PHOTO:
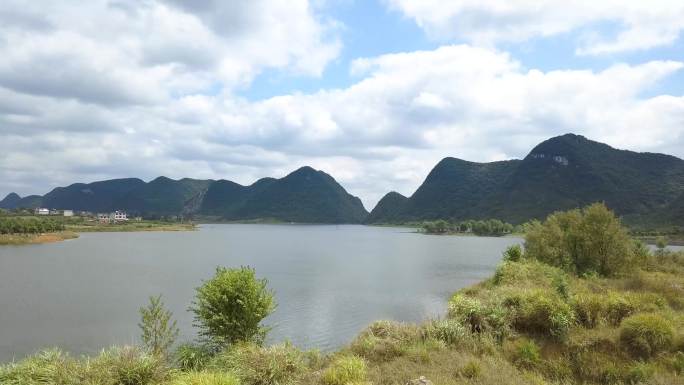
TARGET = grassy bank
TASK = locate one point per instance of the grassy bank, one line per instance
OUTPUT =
(582, 304)
(84, 227)
(32, 239)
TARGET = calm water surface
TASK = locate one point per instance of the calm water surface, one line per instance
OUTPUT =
(330, 281)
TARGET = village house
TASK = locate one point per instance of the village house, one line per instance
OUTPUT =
(42, 211)
(116, 216)
(68, 213)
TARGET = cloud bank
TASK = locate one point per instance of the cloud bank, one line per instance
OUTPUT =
(131, 88)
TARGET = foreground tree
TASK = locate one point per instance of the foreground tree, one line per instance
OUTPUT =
(229, 308)
(591, 240)
(159, 332)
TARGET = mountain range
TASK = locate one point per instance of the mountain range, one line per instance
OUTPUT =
(560, 173)
(305, 195)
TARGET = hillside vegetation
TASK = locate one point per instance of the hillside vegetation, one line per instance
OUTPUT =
(581, 304)
(561, 173)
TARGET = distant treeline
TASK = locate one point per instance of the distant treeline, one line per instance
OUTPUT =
(492, 227)
(16, 225)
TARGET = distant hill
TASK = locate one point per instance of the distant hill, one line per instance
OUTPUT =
(305, 195)
(558, 174)
(10, 201)
(96, 196)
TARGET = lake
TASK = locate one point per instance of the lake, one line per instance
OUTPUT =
(330, 281)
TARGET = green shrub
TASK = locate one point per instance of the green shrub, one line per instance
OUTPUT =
(678, 363)
(618, 307)
(345, 370)
(644, 335)
(206, 378)
(541, 313)
(582, 241)
(190, 357)
(589, 309)
(280, 364)
(470, 370)
(230, 307)
(639, 373)
(513, 253)
(527, 354)
(468, 311)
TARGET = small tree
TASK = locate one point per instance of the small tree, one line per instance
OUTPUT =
(159, 332)
(230, 307)
(591, 240)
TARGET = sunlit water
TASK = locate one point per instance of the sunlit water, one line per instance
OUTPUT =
(330, 281)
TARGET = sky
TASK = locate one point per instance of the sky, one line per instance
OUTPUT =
(374, 93)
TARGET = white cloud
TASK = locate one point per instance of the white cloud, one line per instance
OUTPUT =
(385, 132)
(640, 24)
(127, 52)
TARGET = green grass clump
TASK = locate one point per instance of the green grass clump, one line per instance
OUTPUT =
(48, 367)
(449, 331)
(526, 354)
(345, 370)
(589, 309)
(190, 357)
(645, 335)
(541, 312)
(129, 365)
(280, 364)
(206, 378)
(385, 340)
(471, 370)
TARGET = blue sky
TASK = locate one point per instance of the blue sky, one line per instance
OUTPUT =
(373, 92)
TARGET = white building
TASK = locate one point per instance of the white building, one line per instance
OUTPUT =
(118, 216)
(42, 211)
(68, 213)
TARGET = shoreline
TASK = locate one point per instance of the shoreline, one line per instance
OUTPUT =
(36, 239)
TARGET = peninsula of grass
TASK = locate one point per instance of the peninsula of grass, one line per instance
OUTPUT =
(130, 226)
(33, 239)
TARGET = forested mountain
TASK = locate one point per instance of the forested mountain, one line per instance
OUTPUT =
(305, 195)
(561, 173)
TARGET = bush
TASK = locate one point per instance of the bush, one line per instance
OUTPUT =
(678, 363)
(158, 331)
(470, 370)
(527, 354)
(468, 311)
(254, 365)
(513, 253)
(639, 373)
(591, 240)
(206, 378)
(191, 357)
(542, 313)
(230, 307)
(589, 309)
(345, 370)
(644, 335)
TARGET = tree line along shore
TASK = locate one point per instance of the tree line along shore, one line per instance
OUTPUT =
(581, 303)
(28, 229)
